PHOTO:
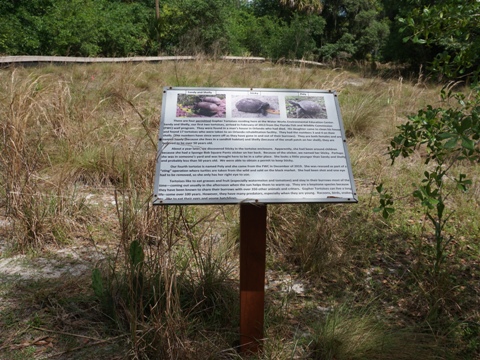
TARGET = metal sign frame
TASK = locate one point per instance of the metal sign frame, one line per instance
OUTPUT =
(237, 145)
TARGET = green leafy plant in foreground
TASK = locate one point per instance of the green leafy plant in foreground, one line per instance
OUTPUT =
(448, 136)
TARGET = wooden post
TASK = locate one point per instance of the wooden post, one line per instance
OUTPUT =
(253, 234)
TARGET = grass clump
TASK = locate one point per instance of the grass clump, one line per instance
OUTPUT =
(345, 335)
(169, 290)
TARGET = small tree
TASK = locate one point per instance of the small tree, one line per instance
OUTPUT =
(449, 133)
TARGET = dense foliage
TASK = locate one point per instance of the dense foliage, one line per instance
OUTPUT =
(444, 34)
(315, 30)
(74, 27)
(452, 29)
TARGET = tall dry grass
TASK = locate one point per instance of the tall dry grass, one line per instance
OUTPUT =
(44, 208)
(76, 138)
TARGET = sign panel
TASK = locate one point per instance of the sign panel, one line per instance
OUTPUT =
(227, 145)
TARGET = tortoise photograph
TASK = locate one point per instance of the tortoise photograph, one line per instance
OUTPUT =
(201, 106)
(255, 106)
(312, 107)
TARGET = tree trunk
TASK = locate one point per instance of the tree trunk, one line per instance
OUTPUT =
(157, 17)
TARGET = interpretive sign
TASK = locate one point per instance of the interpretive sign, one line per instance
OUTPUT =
(228, 145)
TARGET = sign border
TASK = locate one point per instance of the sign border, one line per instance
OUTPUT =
(157, 201)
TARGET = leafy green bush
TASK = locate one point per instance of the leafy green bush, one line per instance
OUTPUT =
(124, 30)
(345, 45)
(296, 39)
(77, 28)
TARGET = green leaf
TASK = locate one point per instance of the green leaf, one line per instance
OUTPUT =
(418, 194)
(387, 212)
(444, 136)
(136, 253)
(465, 124)
(468, 144)
(97, 283)
(432, 202)
(440, 209)
(450, 144)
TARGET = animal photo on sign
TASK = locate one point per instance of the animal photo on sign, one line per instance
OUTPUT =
(201, 105)
(302, 107)
(255, 107)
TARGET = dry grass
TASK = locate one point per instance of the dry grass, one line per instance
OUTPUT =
(350, 336)
(76, 167)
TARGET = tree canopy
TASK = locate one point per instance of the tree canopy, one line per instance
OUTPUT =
(443, 34)
(453, 28)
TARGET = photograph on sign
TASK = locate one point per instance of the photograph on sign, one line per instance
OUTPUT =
(255, 106)
(299, 107)
(201, 106)
(227, 146)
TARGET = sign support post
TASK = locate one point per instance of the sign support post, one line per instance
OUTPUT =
(252, 147)
(253, 233)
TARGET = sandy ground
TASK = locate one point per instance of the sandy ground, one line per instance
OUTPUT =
(50, 264)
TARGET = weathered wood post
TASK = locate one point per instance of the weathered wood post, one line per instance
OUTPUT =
(253, 234)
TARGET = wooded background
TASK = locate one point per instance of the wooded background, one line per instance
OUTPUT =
(303, 29)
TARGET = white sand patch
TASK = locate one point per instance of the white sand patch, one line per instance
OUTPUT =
(75, 261)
